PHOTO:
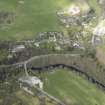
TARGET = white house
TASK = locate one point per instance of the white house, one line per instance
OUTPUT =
(99, 30)
(21, 2)
(37, 44)
(101, 1)
(18, 48)
(76, 45)
(74, 10)
(31, 81)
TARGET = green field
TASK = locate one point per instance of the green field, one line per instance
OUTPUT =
(32, 16)
(73, 89)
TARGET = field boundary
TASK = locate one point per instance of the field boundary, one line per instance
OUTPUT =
(28, 64)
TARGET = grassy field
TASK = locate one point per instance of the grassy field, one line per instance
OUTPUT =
(23, 98)
(27, 99)
(11, 94)
(73, 89)
(30, 100)
(32, 16)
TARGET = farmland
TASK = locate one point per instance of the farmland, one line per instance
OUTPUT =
(72, 88)
(52, 52)
(32, 17)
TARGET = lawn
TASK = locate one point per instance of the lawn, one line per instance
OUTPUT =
(27, 99)
(20, 97)
(31, 17)
(73, 89)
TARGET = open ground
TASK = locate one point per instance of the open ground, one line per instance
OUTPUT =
(72, 88)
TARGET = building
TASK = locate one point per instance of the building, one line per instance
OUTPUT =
(74, 10)
(31, 81)
(18, 48)
(99, 30)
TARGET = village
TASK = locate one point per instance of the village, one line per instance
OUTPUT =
(78, 32)
(82, 33)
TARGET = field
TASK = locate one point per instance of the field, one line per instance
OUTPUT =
(34, 16)
(12, 94)
(23, 98)
(27, 99)
(31, 17)
(73, 89)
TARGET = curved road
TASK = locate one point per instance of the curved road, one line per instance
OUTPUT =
(64, 60)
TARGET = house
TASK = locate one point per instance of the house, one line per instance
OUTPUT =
(74, 10)
(58, 48)
(37, 44)
(31, 81)
(101, 1)
(96, 40)
(76, 45)
(21, 2)
(18, 48)
(99, 30)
